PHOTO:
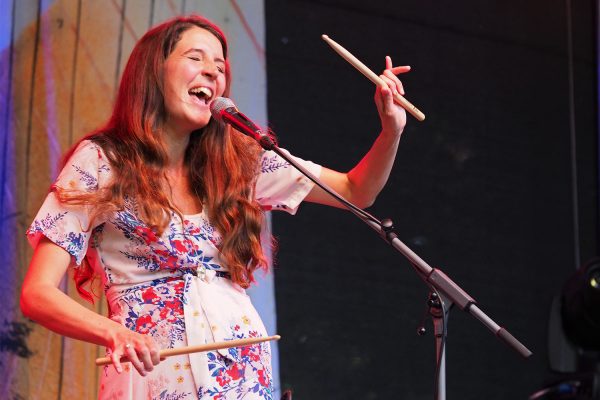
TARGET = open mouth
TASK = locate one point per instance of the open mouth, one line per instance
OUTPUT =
(203, 93)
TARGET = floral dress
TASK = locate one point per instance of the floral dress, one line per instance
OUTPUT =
(174, 286)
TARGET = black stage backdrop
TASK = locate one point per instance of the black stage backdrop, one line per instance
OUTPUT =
(481, 189)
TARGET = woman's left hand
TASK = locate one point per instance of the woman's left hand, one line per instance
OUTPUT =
(393, 116)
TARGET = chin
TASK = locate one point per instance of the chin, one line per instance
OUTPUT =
(200, 123)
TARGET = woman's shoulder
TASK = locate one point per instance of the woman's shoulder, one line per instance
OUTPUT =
(86, 164)
(88, 148)
(88, 151)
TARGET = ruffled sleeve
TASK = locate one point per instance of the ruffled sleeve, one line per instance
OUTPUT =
(68, 225)
(280, 186)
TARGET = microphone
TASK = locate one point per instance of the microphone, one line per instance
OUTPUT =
(223, 110)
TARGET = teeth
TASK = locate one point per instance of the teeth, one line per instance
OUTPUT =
(202, 92)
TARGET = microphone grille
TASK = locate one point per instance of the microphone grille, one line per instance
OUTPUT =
(218, 105)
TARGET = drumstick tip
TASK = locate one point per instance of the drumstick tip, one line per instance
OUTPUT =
(324, 37)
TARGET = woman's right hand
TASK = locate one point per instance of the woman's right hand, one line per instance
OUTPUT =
(43, 302)
(141, 350)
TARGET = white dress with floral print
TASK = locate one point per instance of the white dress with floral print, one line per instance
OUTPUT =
(173, 287)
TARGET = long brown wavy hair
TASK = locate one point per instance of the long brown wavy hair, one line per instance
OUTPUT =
(216, 157)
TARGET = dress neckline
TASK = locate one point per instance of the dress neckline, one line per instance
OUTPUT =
(194, 216)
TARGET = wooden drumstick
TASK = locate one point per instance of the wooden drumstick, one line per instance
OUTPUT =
(399, 99)
(195, 349)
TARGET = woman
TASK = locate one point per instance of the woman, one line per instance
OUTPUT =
(160, 204)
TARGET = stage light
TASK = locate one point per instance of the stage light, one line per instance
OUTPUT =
(581, 307)
(595, 278)
(574, 338)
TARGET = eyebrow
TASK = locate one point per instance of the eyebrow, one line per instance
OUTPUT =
(218, 59)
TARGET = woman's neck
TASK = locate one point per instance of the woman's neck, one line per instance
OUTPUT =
(175, 146)
(177, 176)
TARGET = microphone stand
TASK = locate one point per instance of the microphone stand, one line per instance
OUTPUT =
(444, 292)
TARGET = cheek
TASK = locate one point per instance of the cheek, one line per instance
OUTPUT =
(181, 73)
(170, 82)
(222, 83)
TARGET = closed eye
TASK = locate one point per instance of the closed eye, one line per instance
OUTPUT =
(221, 69)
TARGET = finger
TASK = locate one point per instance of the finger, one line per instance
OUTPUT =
(151, 355)
(384, 94)
(154, 351)
(395, 81)
(388, 62)
(135, 361)
(390, 83)
(155, 355)
(146, 359)
(383, 89)
(400, 70)
(116, 360)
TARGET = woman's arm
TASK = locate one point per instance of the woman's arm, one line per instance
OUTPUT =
(362, 184)
(45, 303)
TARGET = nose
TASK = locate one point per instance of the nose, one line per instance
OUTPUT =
(210, 69)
